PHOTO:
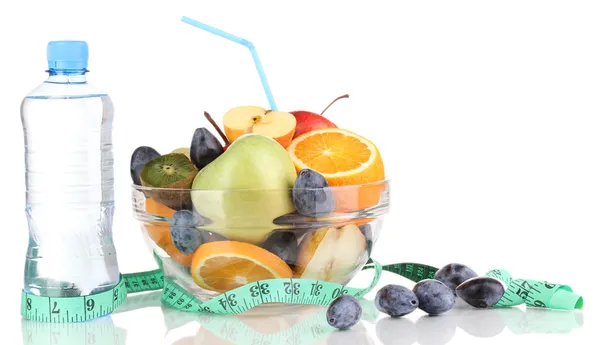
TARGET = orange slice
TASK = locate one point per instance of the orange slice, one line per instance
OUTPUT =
(157, 209)
(225, 265)
(344, 159)
(176, 255)
(159, 233)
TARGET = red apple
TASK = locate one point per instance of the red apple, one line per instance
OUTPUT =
(307, 121)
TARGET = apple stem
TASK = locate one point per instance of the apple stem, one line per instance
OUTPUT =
(332, 102)
(212, 122)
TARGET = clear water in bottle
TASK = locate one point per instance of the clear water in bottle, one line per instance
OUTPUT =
(69, 179)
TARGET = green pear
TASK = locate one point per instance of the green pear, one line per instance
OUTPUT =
(246, 188)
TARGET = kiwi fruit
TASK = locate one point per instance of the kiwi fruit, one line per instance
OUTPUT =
(172, 171)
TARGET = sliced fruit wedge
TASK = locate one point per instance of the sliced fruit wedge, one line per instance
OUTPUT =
(344, 159)
(330, 254)
(278, 125)
(222, 266)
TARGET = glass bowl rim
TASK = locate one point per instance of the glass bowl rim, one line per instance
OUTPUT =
(332, 188)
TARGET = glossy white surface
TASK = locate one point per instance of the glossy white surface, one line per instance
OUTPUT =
(141, 320)
(485, 112)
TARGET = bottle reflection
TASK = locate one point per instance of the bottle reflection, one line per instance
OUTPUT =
(99, 331)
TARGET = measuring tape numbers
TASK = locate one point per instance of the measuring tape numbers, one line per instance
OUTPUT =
(535, 293)
(83, 308)
(290, 291)
(244, 298)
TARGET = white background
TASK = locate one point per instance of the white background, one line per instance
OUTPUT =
(486, 114)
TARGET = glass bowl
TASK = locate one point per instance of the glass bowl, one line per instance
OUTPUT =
(261, 224)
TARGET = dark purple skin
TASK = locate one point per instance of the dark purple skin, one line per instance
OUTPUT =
(284, 244)
(454, 274)
(300, 222)
(344, 312)
(139, 158)
(311, 194)
(205, 148)
(481, 292)
(184, 234)
(434, 296)
(396, 300)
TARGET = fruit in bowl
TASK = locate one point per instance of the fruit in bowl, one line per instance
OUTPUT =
(242, 120)
(307, 121)
(330, 254)
(139, 158)
(260, 173)
(201, 259)
(343, 158)
(223, 266)
(171, 171)
(281, 195)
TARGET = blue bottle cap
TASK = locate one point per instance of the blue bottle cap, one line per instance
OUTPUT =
(67, 55)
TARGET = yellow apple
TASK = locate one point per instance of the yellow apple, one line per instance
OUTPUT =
(278, 125)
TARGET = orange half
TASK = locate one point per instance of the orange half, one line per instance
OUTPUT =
(344, 158)
(226, 265)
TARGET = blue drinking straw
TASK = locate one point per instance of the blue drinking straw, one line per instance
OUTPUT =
(245, 43)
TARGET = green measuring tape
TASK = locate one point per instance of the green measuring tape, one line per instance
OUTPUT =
(535, 293)
(240, 300)
(290, 291)
(72, 309)
(83, 308)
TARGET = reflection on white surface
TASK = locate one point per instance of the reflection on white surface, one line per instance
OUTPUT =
(480, 323)
(308, 326)
(99, 331)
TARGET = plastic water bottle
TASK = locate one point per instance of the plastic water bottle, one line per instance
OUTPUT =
(67, 126)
